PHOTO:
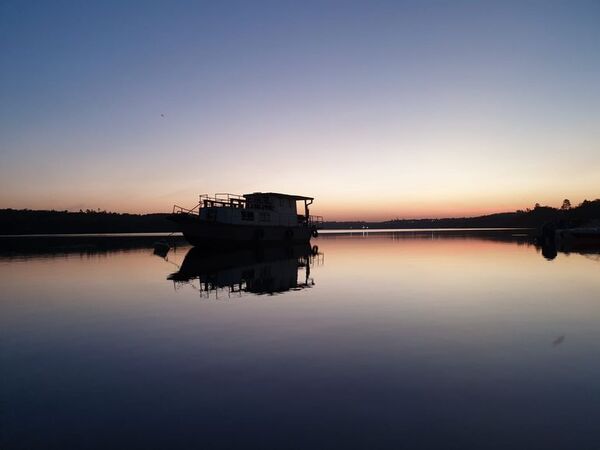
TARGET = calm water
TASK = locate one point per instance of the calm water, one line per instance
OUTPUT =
(403, 340)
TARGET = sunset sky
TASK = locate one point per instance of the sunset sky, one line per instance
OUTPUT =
(377, 109)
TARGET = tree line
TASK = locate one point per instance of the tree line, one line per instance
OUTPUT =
(25, 221)
(588, 210)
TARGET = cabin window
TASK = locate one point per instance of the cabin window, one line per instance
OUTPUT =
(248, 215)
(265, 217)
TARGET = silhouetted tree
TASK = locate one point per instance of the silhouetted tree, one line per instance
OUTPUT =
(566, 205)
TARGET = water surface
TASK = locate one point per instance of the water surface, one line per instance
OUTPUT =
(375, 340)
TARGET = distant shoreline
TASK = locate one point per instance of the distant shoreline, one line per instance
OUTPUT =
(36, 222)
(178, 234)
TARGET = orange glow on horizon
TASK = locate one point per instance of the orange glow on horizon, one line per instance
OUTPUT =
(330, 210)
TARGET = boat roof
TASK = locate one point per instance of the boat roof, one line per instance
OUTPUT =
(278, 194)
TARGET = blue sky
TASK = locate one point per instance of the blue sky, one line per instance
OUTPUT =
(378, 109)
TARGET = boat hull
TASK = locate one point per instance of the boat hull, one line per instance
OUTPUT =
(215, 235)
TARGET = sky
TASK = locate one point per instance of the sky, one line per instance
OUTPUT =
(377, 109)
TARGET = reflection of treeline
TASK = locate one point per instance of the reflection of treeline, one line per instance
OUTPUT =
(24, 221)
(17, 246)
(529, 218)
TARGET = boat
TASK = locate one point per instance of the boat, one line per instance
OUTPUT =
(261, 218)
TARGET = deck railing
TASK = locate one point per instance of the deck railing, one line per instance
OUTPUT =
(316, 221)
(181, 210)
(223, 200)
(224, 197)
(220, 200)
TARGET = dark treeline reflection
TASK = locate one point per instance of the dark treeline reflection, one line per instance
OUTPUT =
(56, 245)
(269, 270)
(550, 249)
(52, 245)
(525, 237)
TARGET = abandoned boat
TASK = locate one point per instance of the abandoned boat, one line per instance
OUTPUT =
(260, 218)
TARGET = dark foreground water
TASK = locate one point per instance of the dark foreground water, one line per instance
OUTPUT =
(427, 340)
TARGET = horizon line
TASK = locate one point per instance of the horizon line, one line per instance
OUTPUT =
(100, 211)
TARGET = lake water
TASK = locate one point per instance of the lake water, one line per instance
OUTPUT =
(375, 340)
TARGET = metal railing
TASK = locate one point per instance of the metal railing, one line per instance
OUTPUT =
(224, 197)
(223, 200)
(317, 221)
(219, 200)
(181, 210)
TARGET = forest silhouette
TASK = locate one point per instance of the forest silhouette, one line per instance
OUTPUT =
(25, 221)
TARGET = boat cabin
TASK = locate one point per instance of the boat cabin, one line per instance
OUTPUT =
(258, 208)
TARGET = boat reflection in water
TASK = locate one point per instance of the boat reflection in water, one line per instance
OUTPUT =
(270, 270)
